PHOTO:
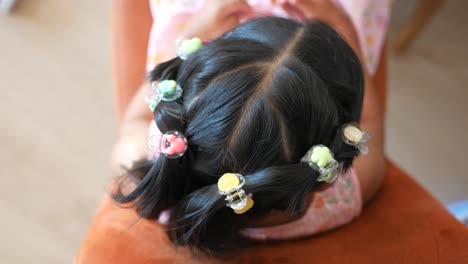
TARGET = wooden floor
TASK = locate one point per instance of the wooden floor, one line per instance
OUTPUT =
(57, 124)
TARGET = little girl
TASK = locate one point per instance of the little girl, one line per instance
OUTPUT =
(257, 128)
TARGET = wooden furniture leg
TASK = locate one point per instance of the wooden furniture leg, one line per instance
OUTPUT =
(423, 13)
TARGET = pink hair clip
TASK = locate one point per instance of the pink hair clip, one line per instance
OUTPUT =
(173, 144)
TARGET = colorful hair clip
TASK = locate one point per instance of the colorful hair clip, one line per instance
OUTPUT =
(166, 90)
(354, 136)
(172, 144)
(320, 158)
(230, 185)
(188, 46)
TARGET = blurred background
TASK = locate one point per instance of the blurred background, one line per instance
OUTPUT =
(57, 124)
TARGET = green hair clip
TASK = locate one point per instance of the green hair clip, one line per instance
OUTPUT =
(188, 46)
(166, 90)
(321, 159)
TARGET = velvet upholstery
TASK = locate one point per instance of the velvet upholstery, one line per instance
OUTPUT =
(404, 224)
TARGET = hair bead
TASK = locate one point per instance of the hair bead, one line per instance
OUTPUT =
(166, 90)
(188, 46)
(230, 185)
(321, 159)
(354, 136)
(173, 144)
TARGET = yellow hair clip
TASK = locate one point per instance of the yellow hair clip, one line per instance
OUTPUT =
(230, 185)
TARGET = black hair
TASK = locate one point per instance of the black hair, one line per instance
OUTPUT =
(254, 102)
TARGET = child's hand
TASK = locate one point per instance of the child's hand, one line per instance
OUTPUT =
(215, 18)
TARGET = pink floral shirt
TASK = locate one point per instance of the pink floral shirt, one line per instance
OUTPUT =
(370, 18)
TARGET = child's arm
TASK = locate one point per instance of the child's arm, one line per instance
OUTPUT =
(371, 168)
(132, 144)
(131, 25)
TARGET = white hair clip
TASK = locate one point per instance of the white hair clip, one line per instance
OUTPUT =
(166, 90)
(321, 159)
(230, 185)
(354, 136)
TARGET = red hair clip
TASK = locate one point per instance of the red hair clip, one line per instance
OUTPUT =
(173, 144)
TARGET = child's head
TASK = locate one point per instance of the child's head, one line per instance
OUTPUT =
(254, 102)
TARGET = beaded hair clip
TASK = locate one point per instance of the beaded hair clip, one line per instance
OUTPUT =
(188, 46)
(321, 159)
(172, 144)
(354, 136)
(166, 90)
(230, 185)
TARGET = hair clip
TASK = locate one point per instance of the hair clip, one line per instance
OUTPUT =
(354, 136)
(230, 184)
(188, 46)
(172, 144)
(166, 90)
(320, 158)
